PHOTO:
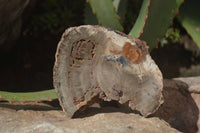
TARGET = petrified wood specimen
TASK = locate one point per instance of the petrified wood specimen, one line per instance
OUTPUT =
(93, 62)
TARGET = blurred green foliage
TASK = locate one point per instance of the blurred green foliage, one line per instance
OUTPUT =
(154, 17)
(146, 19)
(138, 18)
(28, 96)
(171, 35)
(105, 13)
(190, 19)
(131, 14)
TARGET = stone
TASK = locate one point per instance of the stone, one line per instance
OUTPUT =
(56, 121)
(193, 84)
(94, 63)
(179, 113)
(180, 109)
(196, 98)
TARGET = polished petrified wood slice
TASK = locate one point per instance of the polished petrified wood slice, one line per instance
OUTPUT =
(93, 63)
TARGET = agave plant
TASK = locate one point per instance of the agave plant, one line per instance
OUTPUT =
(190, 19)
(153, 20)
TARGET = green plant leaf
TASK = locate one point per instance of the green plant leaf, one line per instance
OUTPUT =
(90, 18)
(140, 22)
(154, 19)
(28, 96)
(105, 13)
(190, 19)
(120, 8)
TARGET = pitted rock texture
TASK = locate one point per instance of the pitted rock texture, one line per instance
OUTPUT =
(180, 110)
(56, 121)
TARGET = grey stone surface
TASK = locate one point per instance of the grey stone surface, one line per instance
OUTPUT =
(56, 121)
(180, 110)
(193, 84)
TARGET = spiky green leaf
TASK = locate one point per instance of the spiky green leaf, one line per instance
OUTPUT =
(90, 18)
(190, 19)
(140, 22)
(106, 14)
(120, 8)
(154, 19)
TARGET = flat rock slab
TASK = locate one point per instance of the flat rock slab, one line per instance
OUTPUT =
(180, 110)
(55, 121)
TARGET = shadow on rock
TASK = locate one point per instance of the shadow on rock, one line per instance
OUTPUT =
(104, 107)
(179, 108)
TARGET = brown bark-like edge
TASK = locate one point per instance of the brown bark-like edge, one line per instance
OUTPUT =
(146, 97)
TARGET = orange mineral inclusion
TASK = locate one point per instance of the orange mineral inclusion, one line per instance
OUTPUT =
(133, 53)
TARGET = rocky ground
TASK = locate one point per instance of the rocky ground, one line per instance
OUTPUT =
(179, 113)
(55, 121)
